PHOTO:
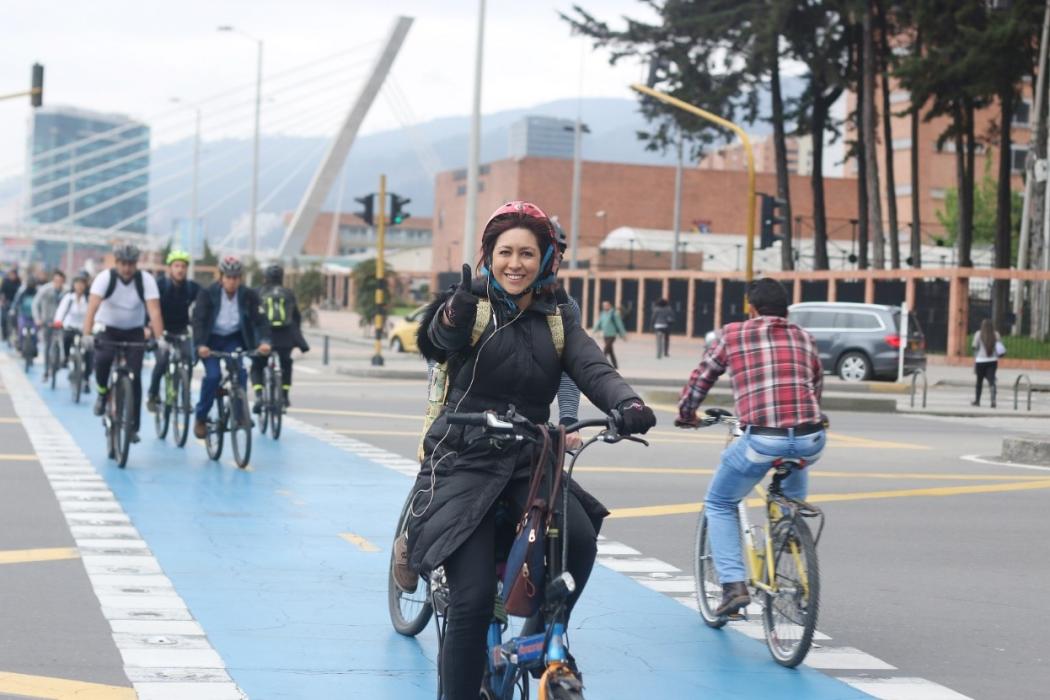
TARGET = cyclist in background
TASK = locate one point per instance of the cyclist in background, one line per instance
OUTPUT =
(278, 305)
(44, 306)
(8, 289)
(121, 298)
(22, 309)
(226, 318)
(177, 295)
(776, 376)
(69, 316)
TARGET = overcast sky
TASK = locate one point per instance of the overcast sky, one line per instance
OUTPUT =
(133, 56)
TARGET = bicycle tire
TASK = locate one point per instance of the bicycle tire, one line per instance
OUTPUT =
(708, 589)
(240, 423)
(796, 604)
(76, 378)
(162, 418)
(409, 612)
(276, 404)
(54, 358)
(264, 402)
(125, 408)
(110, 424)
(213, 439)
(182, 407)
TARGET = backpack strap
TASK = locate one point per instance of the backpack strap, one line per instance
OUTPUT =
(557, 326)
(140, 286)
(112, 286)
(481, 321)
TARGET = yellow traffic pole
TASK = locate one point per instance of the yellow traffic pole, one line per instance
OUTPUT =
(380, 318)
(749, 270)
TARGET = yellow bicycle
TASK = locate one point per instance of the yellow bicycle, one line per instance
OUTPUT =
(781, 559)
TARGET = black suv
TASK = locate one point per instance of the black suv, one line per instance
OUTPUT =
(861, 341)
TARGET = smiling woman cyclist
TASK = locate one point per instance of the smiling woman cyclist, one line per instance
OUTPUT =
(464, 482)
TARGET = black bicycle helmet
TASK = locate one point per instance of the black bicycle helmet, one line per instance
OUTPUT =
(126, 252)
(274, 274)
(563, 241)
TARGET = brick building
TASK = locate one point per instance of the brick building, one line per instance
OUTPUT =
(731, 156)
(618, 194)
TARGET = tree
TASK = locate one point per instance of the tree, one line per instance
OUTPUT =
(309, 287)
(916, 211)
(364, 278)
(208, 256)
(986, 208)
(886, 59)
(871, 163)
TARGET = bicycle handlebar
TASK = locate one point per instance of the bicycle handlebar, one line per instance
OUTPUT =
(512, 422)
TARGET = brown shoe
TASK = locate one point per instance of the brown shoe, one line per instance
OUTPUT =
(405, 579)
(734, 597)
(200, 429)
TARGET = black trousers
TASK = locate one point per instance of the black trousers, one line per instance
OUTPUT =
(985, 372)
(471, 573)
(608, 350)
(284, 356)
(105, 354)
(161, 366)
(68, 337)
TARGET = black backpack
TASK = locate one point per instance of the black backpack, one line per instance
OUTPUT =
(112, 287)
(277, 305)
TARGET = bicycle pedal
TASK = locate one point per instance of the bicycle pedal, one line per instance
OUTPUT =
(737, 617)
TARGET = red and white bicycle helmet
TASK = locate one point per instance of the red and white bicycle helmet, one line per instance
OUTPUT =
(231, 266)
(551, 260)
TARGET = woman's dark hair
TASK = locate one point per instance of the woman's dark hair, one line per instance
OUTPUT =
(662, 302)
(503, 224)
(768, 297)
(987, 335)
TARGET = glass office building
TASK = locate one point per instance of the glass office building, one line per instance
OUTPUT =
(541, 137)
(102, 159)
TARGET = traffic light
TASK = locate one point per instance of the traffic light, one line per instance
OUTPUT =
(397, 213)
(36, 95)
(367, 213)
(772, 218)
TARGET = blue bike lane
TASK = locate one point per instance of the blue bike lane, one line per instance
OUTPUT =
(297, 610)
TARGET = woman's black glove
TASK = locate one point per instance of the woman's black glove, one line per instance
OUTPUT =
(462, 307)
(635, 417)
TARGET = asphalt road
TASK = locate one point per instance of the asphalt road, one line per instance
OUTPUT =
(925, 553)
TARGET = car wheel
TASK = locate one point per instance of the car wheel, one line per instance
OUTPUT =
(854, 367)
(396, 345)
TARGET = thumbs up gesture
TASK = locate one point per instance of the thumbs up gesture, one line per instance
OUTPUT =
(462, 306)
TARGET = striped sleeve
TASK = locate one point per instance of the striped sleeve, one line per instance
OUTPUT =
(568, 392)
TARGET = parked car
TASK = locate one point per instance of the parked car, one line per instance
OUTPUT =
(861, 341)
(403, 334)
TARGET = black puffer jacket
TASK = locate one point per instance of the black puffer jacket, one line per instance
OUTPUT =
(517, 364)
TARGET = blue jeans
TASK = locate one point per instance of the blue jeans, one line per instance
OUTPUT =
(213, 371)
(744, 464)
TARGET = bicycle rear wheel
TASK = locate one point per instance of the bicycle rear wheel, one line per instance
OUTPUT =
(409, 612)
(181, 407)
(162, 418)
(708, 589)
(240, 422)
(76, 375)
(216, 428)
(264, 402)
(790, 614)
(54, 359)
(276, 400)
(125, 412)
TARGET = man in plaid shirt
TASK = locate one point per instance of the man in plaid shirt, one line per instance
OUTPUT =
(776, 377)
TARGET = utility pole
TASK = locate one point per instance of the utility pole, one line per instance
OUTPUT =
(578, 130)
(70, 210)
(192, 238)
(677, 205)
(380, 318)
(474, 148)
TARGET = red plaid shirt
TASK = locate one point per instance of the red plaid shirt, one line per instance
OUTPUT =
(775, 372)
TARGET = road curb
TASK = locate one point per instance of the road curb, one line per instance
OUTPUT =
(962, 413)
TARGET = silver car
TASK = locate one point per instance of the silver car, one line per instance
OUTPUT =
(861, 341)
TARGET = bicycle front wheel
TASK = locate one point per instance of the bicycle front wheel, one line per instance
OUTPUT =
(790, 612)
(125, 416)
(76, 378)
(54, 359)
(409, 612)
(708, 589)
(240, 423)
(264, 403)
(216, 429)
(162, 418)
(276, 404)
(181, 407)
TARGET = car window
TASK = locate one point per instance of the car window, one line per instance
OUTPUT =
(864, 321)
(819, 319)
(799, 318)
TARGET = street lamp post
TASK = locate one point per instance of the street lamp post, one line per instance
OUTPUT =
(474, 145)
(255, 136)
(578, 130)
(192, 242)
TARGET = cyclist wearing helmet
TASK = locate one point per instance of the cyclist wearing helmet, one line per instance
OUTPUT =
(69, 316)
(121, 298)
(44, 306)
(568, 392)
(463, 481)
(177, 294)
(225, 318)
(281, 310)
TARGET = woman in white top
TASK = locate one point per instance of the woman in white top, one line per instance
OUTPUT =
(69, 316)
(987, 349)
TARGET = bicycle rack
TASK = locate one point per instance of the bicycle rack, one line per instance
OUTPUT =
(914, 383)
(1017, 387)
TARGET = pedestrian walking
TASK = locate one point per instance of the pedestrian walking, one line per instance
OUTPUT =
(987, 349)
(610, 326)
(663, 317)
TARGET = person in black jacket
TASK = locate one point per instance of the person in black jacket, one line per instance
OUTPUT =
(177, 294)
(279, 306)
(226, 317)
(464, 482)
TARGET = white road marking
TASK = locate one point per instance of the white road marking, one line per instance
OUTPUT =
(166, 653)
(845, 658)
(306, 370)
(983, 460)
(904, 689)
